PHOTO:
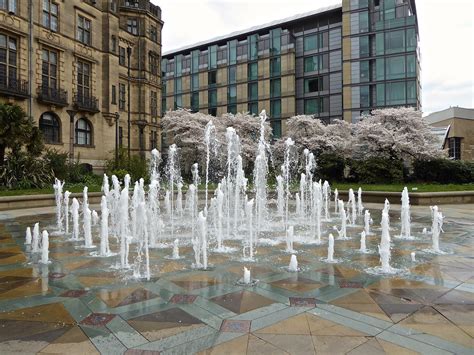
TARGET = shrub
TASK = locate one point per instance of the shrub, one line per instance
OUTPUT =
(22, 171)
(443, 171)
(377, 170)
(137, 167)
(58, 163)
(330, 167)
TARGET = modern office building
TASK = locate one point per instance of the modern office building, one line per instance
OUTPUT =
(333, 63)
(457, 127)
(66, 64)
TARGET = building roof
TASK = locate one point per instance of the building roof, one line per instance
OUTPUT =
(452, 112)
(441, 134)
(255, 28)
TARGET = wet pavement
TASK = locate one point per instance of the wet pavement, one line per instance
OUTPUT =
(79, 304)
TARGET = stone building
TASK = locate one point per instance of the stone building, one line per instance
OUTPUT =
(457, 124)
(333, 63)
(66, 64)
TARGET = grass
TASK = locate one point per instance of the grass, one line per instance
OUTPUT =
(412, 187)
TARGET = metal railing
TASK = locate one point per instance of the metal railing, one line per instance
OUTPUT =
(87, 103)
(13, 86)
(52, 95)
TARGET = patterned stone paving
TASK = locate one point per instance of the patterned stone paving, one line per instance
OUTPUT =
(79, 304)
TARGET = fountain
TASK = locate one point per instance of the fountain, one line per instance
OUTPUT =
(413, 256)
(87, 228)
(386, 206)
(207, 139)
(342, 233)
(66, 212)
(317, 209)
(247, 277)
(336, 205)
(280, 196)
(326, 197)
(330, 258)
(203, 242)
(405, 231)
(367, 222)
(179, 199)
(75, 219)
(95, 218)
(260, 177)
(298, 204)
(58, 196)
(124, 227)
(289, 240)
(36, 239)
(360, 207)
(384, 246)
(293, 267)
(436, 229)
(300, 199)
(286, 171)
(249, 246)
(175, 249)
(363, 247)
(351, 206)
(45, 248)
(219, 207)
(28, 236)
(174, 178)
(104, 228)
(140, 270)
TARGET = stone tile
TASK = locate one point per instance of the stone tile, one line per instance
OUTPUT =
(49, 313)
(328, 344)
(460, 315)
(97, 319)
(323, 327)
(293, 325)
(235, 326)
(235, 346)
(73, 293)
(242, 301)
(74, 341)
(181, 299)
(456, 297)
(293, 344)
(257, 346)
(302, 302)
(297, 283)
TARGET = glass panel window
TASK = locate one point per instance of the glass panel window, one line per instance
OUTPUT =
(9, 5)
(253, 47)
(154, 64)
(195, 102)
(178, 85)
(395, 67)
(380, 69)
(122, 54)
(232, 94)
(195, 82)
(364, 71)
(364, 96)
(154, 105)
(253, 108)
(132, 26)
(364, 48)
(275, 66)
(232, 74)
(84, 30)
(364, 21)
(275, 87)
(212, 78)
(380, 90)
(253, 71)
(311, 106)
(411, 39)
(83, 132)
(194, 61)
(411, 91)
(178, 65)
(275, 45)
(212, 53)
(411, 65)
(232, 51)
(50, 15)
(178, 101)
(212, 99)
(310, 42)
(232, 109)
(49, 126)
(316, 84)
(395, 41)
(379, 44)
(253, 91)
(49, 69)
(275, 108)
(122, 96)
(83, 80)
(395, 93)
(276, 128)
(454, 148)
(311, 63)
(154, 34)
(114, 95)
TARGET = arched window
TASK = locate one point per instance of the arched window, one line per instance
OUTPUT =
(83, 132)
(49, 124)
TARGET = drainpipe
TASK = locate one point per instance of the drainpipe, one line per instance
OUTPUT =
(30, 58)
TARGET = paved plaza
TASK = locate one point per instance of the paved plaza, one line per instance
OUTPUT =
(79, 304)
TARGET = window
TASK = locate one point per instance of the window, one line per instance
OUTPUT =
(411, 39)
(313, 106)
(411, 65)
(50, 15)
(316, 84)
(141, 138)
(194, 61)
(114, 95)
(195, 82)
(380, 68)
(411, 92)
(178, 85)
(120, 137)
(395, 67)
(154, 64)
(395, 41)
(454, 145)
(311, 42)
(364, 48)
(395, 93)
(232, 74)
(380, 91)
(84, 30)
(9, 5)
(178, 101)
(154, 34)
(212, 99)
(276, 128)
(232, 109)
(275, 43)
(212, 111)
(195, 102)
(253, 47)
(212, 53)
(122, 56)
(379, 44)
(275, 87)
(364, 21)
(253, 108)
(232, 45)
(83, 80)
(153, 140)
(275, 66)
(49, 126)
(122, 99)
(212, 78)
(8, 60)
(113, 44)
(49, 69)
(275, 108)
(364, 71)
(163, 106)
(364, 96)
(154, 105)
(253, 71)
(232, 94)
(311, 63)
(253, 91)
(132, 26)
(83, 132)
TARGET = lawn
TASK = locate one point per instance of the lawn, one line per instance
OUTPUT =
(70, 187)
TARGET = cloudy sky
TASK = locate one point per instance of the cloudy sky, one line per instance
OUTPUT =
(446, 36)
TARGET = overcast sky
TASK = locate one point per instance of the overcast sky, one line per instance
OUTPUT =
(446, 36)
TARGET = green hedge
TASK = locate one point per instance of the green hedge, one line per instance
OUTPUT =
(377, 170)
(443, 171)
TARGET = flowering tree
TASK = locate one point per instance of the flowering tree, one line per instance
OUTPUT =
(398, 133)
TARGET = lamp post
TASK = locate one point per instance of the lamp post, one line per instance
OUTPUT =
(117, 118)
(129, 53)
(72, 114)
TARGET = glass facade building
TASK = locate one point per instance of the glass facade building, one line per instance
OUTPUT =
(332, 63)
